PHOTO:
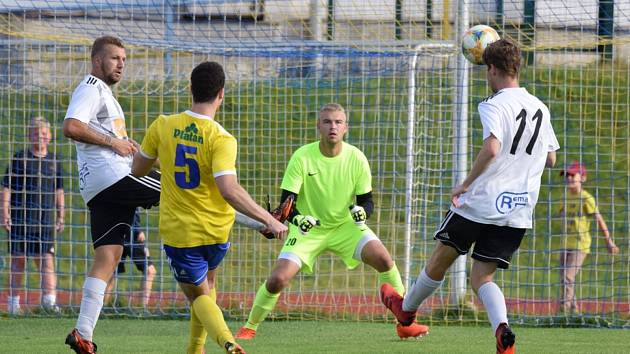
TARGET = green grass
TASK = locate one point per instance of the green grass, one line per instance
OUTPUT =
(150, 336)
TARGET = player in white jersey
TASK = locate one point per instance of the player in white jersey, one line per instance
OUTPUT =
(493, 207)
(96, 122)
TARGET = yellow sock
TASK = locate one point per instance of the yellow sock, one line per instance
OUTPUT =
(198, 334)
(263, 304)
(210, 315)
(392, 277)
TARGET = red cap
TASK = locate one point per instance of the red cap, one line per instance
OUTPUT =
(573, 168)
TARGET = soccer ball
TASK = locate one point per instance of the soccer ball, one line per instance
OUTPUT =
(475, 40)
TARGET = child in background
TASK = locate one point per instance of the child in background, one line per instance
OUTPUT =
(578, 208)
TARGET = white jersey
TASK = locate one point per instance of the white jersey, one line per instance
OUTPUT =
(99, 166)
(507, 191)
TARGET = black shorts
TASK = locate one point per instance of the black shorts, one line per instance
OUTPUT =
(113, 209)
(139, 256)
(492, 243)
(31, 247)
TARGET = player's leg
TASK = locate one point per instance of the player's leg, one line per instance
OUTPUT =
(455, 236)
(194, 269)
(110, 223)
(373, 252)
(431, 276)
(268, 294)
(298, 253)
(494, 250)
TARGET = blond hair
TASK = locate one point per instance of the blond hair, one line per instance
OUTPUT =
(332, 107)
(39, 123)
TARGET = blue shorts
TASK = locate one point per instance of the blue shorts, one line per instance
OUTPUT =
(191, 264)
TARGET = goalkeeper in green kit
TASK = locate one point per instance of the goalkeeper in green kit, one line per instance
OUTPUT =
(331, 183)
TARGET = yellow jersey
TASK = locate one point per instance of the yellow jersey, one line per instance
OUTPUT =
(579, 210)
(193, 150)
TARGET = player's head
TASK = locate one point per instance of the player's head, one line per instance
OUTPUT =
(503, 59)
(206, 82)
(39, 132)
(108, 59)
(332, 123)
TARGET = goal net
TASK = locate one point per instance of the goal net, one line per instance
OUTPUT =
(394, 66)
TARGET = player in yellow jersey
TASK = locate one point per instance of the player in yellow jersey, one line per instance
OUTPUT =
(331, 182)
(199, 194)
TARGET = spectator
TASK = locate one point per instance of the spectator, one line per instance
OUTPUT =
(32, 212)
(577, 209)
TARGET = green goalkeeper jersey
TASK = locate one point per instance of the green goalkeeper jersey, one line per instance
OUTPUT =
(327, 186)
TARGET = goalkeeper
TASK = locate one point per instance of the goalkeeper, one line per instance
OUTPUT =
(332, 186)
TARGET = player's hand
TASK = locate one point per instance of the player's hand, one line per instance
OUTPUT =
(59, 225)
(305, 223)
(6, 222)
(358, 214)
(277, 229)
(141, 237)
(123, 147)
(456, 192)
(612, 248)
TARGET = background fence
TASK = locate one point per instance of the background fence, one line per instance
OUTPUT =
(284, 59)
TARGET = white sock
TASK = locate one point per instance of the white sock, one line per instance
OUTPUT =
(421, 289)
(494, 302)
(91, 304)
(14, 301)
(49, 300)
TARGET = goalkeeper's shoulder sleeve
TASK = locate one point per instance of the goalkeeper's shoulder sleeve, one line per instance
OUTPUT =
(285, 194)
(365, 201)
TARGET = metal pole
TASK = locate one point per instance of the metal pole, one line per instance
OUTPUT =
(411, 123)
(458, 269)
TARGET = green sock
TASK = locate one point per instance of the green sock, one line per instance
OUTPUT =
(263, 304)
(392, 277)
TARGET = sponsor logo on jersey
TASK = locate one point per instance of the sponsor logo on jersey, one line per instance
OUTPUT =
(312, 173)
(189, 134)
(507, 202)
(444, 235)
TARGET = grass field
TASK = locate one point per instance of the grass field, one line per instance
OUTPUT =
(169, 336)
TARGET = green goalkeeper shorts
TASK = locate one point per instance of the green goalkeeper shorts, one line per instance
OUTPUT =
(345, 241)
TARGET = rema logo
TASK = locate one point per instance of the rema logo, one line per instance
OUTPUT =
(507, 202)
(189, 134)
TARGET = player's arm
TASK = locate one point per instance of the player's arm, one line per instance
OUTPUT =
(141, 165)
(77, 130)
(362, 210)
(489, 150)
(551, 159)
(235, 195)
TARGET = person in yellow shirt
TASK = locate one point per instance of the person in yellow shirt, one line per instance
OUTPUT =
(199, 194)
(578, 209)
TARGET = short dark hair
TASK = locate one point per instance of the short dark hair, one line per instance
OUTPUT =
(100, 43)
(504, 55)
(206, 81)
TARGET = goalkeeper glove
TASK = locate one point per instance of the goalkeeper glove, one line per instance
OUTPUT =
(358, 214)
(305, 223)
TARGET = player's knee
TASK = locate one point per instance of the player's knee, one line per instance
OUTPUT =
(277, 282)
